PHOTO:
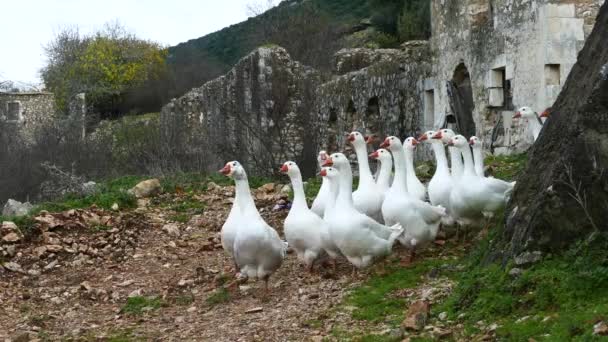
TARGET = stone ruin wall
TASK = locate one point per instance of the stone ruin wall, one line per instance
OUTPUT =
(529, 46)
(509, 53)
(258, 113)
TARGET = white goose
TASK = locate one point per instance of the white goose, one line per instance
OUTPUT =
(386, 166)
(414, 186)
(320, 202)
(420, 219)
(477, 147)
(359, 238)
(440, 186)
(258, 251)
(534, 122)
(367, 198)
(472, 196)
(303, 228)
(457, 167)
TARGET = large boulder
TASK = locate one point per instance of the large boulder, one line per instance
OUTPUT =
(562, 194)
(14, 208)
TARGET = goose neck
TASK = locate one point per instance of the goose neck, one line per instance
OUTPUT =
(442, 161)
(385, 174)
(478, 160)
(299, 198)
(365, 174)
(345, 194)
(469, 168)
(243, 194)
(456, 161)
(409, 163)
(399, 182)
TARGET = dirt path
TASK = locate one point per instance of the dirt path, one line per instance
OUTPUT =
(74, 281)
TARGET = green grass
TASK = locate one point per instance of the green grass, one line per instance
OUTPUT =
(373, 300)
(138, 304)
(506, 167)
(26, 224)
(571, 289)
(219, 296)
(182, 218)
(184, 300)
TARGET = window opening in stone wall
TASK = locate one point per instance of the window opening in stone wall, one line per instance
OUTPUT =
(351, 116)
(372, 116)
(13, 110)
(552, 76)
(496, 90)
(429, 108)
(333, 115)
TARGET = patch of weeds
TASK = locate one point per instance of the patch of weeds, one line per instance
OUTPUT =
(182, 218)
(101, 228)
(184, 300)
(138, 304)
(187, 182)
(26, 224)
(373, 301)
(563, 296)
(506, 167)
(218, 296)
(188, 204)
(39, 320)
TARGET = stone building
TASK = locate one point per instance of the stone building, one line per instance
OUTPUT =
(492, 57)
(485, 58)
(26, 110)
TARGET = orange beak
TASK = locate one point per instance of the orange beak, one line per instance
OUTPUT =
(451, 143)
(351, 137)
(545, 114)
(423, 137)
(323, 173)
(517, 115)
(415, 142)
(226, 170)
(370, 139)
(386, 143)
(438, 135)
(328, 162)
(374, 155)
(471, 142)
(284, 168)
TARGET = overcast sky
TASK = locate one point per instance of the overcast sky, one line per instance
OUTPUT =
(27, 25)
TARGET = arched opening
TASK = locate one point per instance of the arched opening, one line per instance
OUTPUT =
(352, 118)
(373, 123)
(460, 94)
(332, 131)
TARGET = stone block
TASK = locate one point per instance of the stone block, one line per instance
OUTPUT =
(429, 84)
(495, 78)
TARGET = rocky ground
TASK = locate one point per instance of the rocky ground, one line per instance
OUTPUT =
(154, 273)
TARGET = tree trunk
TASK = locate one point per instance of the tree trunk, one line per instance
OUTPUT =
(562, 195)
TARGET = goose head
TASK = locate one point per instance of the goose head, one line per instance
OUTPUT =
(290, 168)
(356, 139)
(546, 113)
(475, 142)
(524, 112)
(426, 136)
(234, 169)
(459, 142)
(337, 160)
(370, 139)
(445, 135)
(329, 172)
(382, 155)
(322, 157)
(410, 144)
(392, 143)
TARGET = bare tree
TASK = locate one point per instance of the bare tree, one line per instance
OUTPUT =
(255, 8)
